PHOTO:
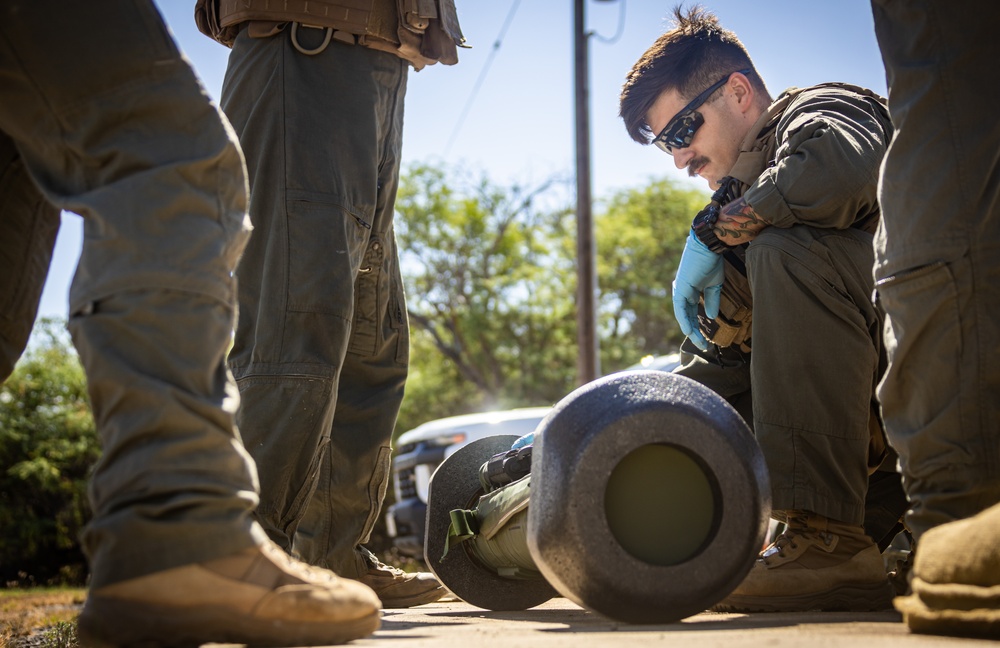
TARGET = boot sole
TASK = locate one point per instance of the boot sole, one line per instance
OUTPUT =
(846, 598)
(120, 624)
(411, 601)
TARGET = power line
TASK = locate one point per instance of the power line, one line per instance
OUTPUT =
(482, 76)
(618, 32)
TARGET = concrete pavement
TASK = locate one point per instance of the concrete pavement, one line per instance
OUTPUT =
(561, 623)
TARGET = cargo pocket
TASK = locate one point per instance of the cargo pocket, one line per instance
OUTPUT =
(376, 490)
(326, 242)
(369, 300)
(923, 336)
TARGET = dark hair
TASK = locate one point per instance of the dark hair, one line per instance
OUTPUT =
(690, 57)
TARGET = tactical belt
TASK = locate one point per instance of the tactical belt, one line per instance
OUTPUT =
(422, 32)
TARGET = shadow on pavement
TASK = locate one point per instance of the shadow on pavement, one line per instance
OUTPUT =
(580, 620)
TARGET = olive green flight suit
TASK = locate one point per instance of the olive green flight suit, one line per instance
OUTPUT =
(807, 387)
(321, 348)
(100, 115)
(938, 255)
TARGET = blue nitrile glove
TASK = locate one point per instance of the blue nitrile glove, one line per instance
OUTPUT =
(700, 272)
(527, 439)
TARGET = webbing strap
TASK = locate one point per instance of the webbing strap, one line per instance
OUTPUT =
(464, 526)
(494, 510)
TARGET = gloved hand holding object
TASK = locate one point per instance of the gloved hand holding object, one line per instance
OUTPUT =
(699, 273)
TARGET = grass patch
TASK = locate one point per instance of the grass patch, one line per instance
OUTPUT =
(40, 617)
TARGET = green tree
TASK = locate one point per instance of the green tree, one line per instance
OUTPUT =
(488, 289)
(490, 273)
(48, 444)
(434, 387)
(640, 235)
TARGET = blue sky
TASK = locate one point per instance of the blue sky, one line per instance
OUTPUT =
(519, 126)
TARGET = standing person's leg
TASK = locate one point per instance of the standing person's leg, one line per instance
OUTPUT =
(341, 515)
(321, 350)
(356, 466)
(312, 129)
(938, 256)
(112, 124)
(348, 498)
(120, 148)
(28, 228)
(938, 262)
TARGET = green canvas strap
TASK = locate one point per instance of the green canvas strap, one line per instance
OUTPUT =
(464, 525)
(492, 512)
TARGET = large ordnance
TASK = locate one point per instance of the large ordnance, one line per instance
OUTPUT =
(647, 501)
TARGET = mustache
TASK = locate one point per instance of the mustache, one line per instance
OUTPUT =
(695, 164)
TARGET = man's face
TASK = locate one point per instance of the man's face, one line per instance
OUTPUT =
(716, 144)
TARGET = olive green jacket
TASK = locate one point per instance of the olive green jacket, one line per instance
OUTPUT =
(828, 147)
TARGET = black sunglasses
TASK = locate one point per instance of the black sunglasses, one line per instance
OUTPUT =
(680, 130)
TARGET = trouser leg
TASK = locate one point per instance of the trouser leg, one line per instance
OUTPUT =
(317, 353)
(28, 228)
(174, 485)
(112, 124)
(727, 373)
(355, 469)
(885, 505)
(724, 371)
(814, 366)
(937, 266)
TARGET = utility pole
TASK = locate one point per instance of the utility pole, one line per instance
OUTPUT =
(588, 358)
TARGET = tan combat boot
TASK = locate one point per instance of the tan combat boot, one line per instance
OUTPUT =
(816, 564)
(399, 589)
(956, 579)
(259, 596)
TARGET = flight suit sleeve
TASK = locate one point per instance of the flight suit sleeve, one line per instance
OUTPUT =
(825, 172)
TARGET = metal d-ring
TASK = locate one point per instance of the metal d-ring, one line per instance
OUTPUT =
(315, 51)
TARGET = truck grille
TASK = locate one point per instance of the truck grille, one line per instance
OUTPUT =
(406, 486)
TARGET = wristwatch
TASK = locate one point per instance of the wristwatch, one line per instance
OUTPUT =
(704, 228)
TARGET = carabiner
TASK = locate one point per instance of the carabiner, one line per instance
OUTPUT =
(315, 51)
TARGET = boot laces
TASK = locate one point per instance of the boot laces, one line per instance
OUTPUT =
(375, 564)
(787, 539)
